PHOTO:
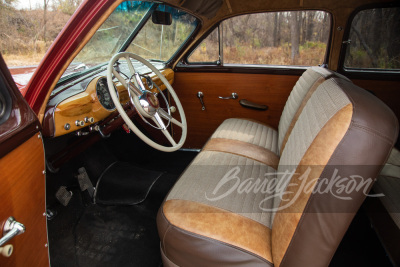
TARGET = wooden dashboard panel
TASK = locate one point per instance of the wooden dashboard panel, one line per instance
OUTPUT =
(87, 105)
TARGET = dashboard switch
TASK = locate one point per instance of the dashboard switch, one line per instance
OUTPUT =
(79, 123)
(67, 126)
(89, 119)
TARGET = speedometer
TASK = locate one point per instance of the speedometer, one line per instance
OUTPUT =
(103, 94)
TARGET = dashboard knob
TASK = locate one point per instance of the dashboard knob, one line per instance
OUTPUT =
(89, 119)
(79, 123)
(67, 126)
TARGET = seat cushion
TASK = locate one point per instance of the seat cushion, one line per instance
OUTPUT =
(196, 234)
(203, 214)
(249, 131)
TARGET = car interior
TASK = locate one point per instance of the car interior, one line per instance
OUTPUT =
(225, 133)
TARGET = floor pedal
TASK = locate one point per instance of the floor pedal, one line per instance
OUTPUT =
(84, 181)
(63, 195)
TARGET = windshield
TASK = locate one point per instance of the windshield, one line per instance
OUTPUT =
(130, 27)
(160, 42)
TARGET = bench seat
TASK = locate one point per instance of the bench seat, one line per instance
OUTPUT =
(265, 136)
(246, 200)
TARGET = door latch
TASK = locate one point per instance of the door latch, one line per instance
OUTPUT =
(11, 229)
(233, 96)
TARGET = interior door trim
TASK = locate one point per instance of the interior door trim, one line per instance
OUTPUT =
(22, 122)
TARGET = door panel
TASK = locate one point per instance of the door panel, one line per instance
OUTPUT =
(22, 177)
(22, 194)
(267, 89)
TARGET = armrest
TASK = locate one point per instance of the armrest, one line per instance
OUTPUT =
(248, 104)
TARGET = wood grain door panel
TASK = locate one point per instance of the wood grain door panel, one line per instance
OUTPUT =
(22, 194)
(267, 89)
(22, 176)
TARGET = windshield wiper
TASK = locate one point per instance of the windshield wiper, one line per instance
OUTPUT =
(156, 60)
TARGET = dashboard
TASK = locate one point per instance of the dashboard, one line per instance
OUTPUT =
(79, 106)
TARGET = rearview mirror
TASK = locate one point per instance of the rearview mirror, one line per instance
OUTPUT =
(161, 17)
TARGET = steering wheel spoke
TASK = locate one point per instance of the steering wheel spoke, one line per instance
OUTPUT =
(157, 119)
(120, 78)
(130, 65)
(164, 130)
(167, 116)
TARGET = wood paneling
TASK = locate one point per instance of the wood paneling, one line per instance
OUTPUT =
(22, 195)
(86, 104)
(266, 89)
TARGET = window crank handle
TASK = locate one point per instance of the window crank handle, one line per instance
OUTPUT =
(200, 95)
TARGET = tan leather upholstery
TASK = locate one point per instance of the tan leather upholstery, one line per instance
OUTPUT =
(229, 208)
(249, 131)
(311, 166)
(217, 224)
(243, 149)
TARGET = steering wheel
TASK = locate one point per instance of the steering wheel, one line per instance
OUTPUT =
(146, 102)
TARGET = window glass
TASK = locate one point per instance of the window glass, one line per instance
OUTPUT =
(152, 41)
(208, 50)
(112, 34)
(276, 38)
(374, 40)
(160, 42)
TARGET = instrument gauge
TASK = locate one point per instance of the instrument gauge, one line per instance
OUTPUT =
(103, 94)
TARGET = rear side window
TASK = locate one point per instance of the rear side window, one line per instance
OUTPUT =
(297, 38)
(374, 40)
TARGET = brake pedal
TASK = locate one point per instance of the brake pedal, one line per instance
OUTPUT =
(84, 182)
(63, 195)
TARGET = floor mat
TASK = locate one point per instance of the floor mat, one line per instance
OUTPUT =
(116, 236)
(124, 184)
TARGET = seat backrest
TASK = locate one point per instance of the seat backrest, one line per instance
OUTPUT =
(301, 93)
(341, 139)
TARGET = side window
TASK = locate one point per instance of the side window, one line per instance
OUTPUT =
(297, 38)
(374, 40)
(208, 50)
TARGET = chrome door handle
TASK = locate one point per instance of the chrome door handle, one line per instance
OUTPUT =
(233, 96)
(11, 229)
(200, 95)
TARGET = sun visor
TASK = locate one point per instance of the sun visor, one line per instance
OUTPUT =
(207, 8)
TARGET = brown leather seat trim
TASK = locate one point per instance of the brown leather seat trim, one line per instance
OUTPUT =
(221, 225)
(314, 160)
(298, 112)
(243, 149)
(326, 217)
